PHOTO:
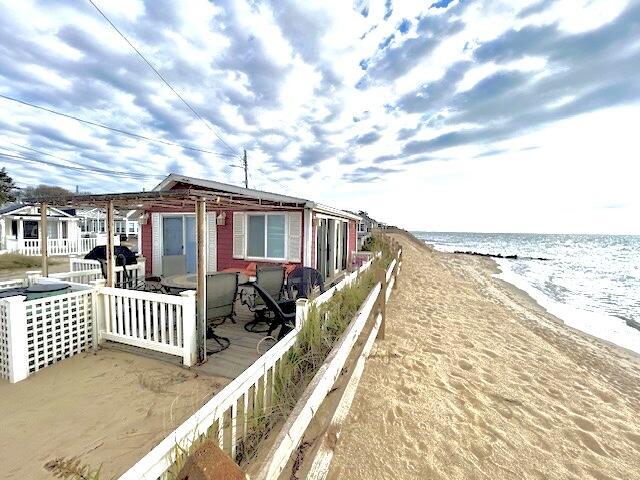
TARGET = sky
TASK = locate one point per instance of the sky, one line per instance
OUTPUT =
(448, 115)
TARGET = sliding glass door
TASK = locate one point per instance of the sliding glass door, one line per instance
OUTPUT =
(179, 238)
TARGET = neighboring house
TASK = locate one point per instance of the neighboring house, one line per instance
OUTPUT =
(20, 230)
(366, 225)
(94, 221)
(273, 228)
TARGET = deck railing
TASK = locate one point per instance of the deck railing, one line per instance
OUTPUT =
(135, 272)
(158, 322)
(227, 414)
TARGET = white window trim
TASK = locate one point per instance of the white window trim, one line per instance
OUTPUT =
(286, 235)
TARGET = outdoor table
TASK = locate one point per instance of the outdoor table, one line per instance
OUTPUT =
(188, 281)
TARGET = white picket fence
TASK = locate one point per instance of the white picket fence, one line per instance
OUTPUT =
(80, 266)
(37, 333)
(229, 411)
(84, 272)
(57, 246)
(158, 322)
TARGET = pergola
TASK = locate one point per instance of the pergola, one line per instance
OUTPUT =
(179, 200)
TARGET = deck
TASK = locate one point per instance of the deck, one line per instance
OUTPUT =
(241, 353)
(229, 363)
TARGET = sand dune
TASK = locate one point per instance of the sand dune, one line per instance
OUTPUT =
(475, 380)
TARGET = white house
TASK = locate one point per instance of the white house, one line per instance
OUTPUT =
(20, 231)
(93, 221)
(366, 225)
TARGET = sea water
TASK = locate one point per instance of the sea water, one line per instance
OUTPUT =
(591, 282)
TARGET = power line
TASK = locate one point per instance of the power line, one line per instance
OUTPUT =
(16, 158)
(117, 130)
(79, 165)
(155, 70)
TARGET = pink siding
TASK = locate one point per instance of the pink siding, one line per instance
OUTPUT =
(314, 239)
(352, 240)
(224, 247)
(147, 246)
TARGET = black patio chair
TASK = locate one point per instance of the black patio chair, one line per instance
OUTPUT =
(302, 281)
(271, 279)
(283, 313)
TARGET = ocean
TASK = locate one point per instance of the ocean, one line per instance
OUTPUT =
(591, 282)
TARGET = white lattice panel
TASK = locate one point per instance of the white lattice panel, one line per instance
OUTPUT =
(4, 342)
(58, 327)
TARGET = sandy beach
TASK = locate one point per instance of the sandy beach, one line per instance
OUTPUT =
(107, 409)
(475, 380)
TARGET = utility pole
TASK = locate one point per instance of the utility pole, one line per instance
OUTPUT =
(246, 170)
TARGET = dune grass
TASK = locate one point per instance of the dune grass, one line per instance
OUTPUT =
(15, 261)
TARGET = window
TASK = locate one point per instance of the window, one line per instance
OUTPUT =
(52, 229)
(30, 229)
(266, 236)
(14, 228)
(65, 229)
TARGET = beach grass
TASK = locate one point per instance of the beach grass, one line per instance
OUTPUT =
(322, 328)
(15, 261)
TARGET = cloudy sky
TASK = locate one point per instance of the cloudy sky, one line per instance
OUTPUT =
(448, 115)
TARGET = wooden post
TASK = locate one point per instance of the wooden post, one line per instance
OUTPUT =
(381, 275)
(201, 276)
(110, 259)
(43, 239)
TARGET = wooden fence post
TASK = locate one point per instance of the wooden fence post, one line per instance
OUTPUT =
(382, 301)
(396, 269)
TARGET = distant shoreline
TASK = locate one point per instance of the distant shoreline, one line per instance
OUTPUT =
(497, 272)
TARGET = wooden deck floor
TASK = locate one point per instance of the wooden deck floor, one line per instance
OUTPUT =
(241, 353)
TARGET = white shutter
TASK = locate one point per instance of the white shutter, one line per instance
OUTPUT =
(294, 236)
(212, 243)
(156, 244)
(239, 233)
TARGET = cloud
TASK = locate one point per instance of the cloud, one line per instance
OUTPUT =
(367, 138)
(395, 62)
(537, 7)
(368, 174)
(509, 102)
(323, 96)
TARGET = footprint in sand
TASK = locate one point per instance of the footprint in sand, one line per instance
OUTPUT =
(583, 423)
(589, 441)
(465, 365)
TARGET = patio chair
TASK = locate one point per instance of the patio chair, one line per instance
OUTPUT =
(271, 280)
(302, 281)
(284, 313)
(222, 288)
(172, 265)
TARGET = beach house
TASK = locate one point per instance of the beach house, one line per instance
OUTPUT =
(20, 227)
(260, 228)
(366, 225)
